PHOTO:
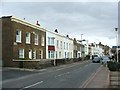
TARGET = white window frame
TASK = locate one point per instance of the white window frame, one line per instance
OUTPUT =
(64, 45)
(30, 52)
(51, 54)
(36, 39)
(41, 54)
(61, 44)
(42, 40)
(34, 54)
(67, 46)
(57, 43)
(56, 55)
(18, 37)
(50, 40)
(59, 54)
(27, 38)
(21, 53)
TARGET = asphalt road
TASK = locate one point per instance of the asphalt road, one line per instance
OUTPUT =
(65, 76)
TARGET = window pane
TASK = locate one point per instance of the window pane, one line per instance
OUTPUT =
(36, 39)
(27, 37)
(48, 54)
(42, 41)
(57, 44)
(48, 40)
(21, 53)
(41, 54)
(34, 54)
(18, 36)
(61, 44)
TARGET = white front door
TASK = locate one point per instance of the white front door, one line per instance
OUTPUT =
(30, 54)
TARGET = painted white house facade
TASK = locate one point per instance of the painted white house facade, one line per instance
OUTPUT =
(58, 46)
(68, 47)
(50, 45)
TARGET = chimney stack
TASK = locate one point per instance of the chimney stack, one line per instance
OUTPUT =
(37, 23)
(56, 30)
(67, 36)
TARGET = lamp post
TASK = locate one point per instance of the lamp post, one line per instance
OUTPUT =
(116, 29)
(81, 45)
(81, 38)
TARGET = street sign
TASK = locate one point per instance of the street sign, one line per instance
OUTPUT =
(115, 46)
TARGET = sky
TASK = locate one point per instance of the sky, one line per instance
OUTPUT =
(95, 20)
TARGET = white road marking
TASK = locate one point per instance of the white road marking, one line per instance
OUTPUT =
(43, 70)
(59, 75)
(62, 74)
(67, 72)
(59, 69)
(32, 85)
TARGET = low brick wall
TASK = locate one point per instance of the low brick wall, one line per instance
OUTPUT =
(38, 64)
(26, 64)
(114, 79)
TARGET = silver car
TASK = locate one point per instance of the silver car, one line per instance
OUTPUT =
(105, 60)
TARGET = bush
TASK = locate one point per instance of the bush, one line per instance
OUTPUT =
(113, 66)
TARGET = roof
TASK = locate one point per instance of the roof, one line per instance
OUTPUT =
(16, 19)
(22, 21)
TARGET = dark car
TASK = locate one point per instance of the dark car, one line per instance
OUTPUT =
(96, 60)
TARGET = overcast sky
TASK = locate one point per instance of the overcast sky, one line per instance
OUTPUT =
(95, 20)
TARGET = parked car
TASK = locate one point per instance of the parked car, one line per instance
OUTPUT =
(93, 56)
(96, 60)
(105, 60)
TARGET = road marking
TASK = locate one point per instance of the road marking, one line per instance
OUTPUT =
(62, 74)
(43, 70)
(69, 66)
(59, 75)
(60, 69)
(67, 72)
(32, 85)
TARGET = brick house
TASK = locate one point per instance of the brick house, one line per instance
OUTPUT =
(23, 44)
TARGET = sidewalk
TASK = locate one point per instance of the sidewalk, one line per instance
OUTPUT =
(100, 79)
(27, 69)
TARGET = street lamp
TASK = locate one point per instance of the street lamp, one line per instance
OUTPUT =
(81, 38)
(81, 44)
(116, 29)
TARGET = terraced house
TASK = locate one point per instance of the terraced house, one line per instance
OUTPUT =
(58, 46)
(23, 44)
(29, 45)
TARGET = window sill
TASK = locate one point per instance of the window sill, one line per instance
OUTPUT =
(18, 42)
(27, 43)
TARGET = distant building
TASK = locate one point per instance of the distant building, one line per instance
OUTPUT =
(97, 49)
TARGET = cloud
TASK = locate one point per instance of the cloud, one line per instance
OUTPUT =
(74, 18)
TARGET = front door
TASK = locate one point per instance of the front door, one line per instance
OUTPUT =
(30, 54)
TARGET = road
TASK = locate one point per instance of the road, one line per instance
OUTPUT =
(64, 76)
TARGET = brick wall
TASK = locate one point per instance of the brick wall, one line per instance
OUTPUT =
(10, 48)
